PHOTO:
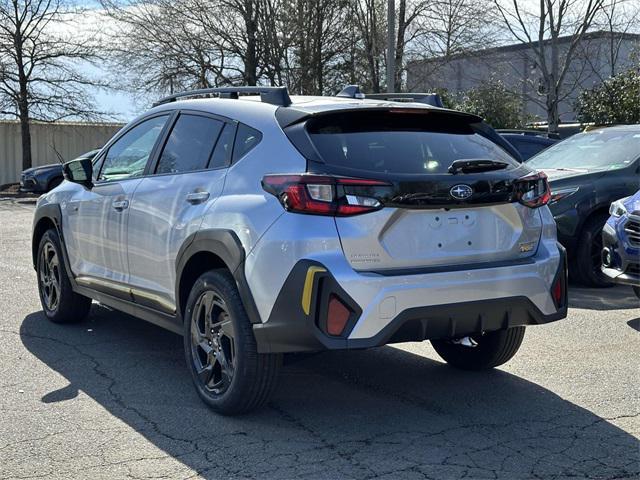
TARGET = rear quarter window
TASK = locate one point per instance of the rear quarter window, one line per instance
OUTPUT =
(399, 143)
(246, 140)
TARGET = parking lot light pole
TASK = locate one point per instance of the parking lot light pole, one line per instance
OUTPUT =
(391, 54)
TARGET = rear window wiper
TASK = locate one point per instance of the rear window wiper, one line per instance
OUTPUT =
(476, 165)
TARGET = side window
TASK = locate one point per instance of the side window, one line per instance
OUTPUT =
(246, 139)
(128, 156)
(222, 153)
(190, 144)
(97, 165)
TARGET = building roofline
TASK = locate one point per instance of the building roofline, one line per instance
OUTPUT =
(525, 46)
(5, 121)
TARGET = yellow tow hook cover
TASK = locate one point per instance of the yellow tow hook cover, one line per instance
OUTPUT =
(308, 288)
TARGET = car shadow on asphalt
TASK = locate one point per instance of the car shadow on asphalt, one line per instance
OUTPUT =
(619, 297)
(359, 414)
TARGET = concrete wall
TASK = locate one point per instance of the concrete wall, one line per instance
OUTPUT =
(69, 139)
(516, 68)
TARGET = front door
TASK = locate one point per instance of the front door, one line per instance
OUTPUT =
(96, 233)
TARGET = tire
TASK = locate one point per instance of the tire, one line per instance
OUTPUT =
(59, 302)
(589, 254)
(229, 374)
(636, 290)
(53, 183)
(492, 349)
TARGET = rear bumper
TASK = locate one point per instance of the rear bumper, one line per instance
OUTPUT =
(412, 307)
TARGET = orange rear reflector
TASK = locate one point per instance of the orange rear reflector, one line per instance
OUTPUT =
(337, 316)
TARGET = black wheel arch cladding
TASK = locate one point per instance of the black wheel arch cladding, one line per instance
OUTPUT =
(225, 245)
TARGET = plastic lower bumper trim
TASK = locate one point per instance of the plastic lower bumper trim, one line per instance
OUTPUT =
(290, 330)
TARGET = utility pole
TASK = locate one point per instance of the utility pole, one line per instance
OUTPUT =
(391, 40)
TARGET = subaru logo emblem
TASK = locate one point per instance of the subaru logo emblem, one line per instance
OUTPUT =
(461, 192)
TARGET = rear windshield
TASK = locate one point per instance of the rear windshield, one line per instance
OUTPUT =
(399, 142)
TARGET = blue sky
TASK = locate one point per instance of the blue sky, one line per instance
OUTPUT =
(118, 105)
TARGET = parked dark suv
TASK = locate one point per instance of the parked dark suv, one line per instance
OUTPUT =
(46, 177)
(587, 172)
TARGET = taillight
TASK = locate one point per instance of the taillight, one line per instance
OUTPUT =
(324, 194)
(533, 190)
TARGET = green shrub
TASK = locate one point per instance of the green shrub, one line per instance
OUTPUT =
(616, 100)
(495, 103)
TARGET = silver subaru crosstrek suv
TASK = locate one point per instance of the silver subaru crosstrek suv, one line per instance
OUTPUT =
(256, 224)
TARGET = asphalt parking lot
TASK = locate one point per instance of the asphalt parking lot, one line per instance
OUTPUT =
(111, 398)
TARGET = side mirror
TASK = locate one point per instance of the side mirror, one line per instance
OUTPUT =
(79, 171)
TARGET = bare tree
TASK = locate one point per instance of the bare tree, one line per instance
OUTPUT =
(445, 28)
(38, 54)
(368, 17)
(618, 17)
(160, 46)
(541, 30)
(406, 16)
(449, 27)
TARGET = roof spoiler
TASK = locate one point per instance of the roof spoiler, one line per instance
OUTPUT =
(353, 91)
(273, 95)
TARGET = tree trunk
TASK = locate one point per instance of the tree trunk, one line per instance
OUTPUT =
(399, 55)
(23, 103)
(25, 134)
(251, 61)
(553, 86)
(553, 118)
(317, 44)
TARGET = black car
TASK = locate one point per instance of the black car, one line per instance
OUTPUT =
(47, 177)
(587, 172)
(528, 145)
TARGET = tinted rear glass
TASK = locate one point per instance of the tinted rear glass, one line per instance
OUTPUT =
(399, 143)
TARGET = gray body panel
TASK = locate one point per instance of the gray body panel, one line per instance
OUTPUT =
(96, 230)
(161, 218)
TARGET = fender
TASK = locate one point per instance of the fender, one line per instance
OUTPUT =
(52, 212)
(226, 245)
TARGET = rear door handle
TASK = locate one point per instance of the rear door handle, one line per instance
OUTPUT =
(120, 205)
(197, 197)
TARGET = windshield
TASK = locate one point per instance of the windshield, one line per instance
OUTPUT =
(399, 143)
(597, 150)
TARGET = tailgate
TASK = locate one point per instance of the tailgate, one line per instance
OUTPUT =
(396, 238)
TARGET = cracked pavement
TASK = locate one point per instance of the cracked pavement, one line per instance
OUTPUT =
(111, 398)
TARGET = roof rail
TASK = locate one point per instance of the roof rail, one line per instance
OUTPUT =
(273, 95)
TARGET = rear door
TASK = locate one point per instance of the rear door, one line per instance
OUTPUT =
(433, 217)
(168, 205)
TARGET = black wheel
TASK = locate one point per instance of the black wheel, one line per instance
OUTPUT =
(53, 183)
(220, 349)
(589, 254)
(492, 349)
(59, 302)
(636, 290)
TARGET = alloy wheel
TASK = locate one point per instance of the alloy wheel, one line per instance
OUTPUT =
(49, 275)
(212, 343)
